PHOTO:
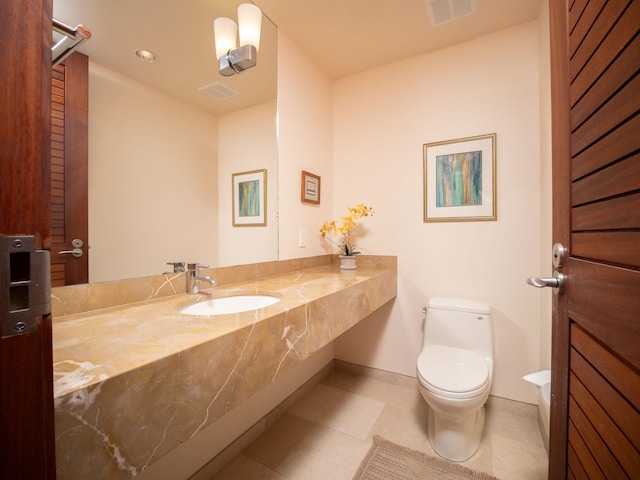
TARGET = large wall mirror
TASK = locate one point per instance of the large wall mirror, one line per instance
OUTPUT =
(166, 137)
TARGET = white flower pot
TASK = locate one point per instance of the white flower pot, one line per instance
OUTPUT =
(348, 262)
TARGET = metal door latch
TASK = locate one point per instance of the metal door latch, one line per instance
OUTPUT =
(25, 283)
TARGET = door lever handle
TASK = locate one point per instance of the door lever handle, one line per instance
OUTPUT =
(556, 282)
(541, 282)
(76, 252)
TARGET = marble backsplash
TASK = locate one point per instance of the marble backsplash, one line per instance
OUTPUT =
(87, 297)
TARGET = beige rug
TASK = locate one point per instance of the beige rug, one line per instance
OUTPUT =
(388, 461)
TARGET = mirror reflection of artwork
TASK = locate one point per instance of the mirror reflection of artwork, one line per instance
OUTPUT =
(459, 179)
(250, 198)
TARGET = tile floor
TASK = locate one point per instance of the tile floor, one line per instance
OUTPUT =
(326, 433)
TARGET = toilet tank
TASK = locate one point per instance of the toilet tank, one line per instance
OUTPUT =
(459, 323)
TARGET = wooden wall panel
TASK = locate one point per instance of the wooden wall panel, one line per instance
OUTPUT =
(607, 463)
(606, 301)
(581, 19)
(604, 418)
(598, 19)
(57, 170)
(621, 212)
(612, 79)
(616, 179)
(621, 248)
(618, 144)
(606, 117)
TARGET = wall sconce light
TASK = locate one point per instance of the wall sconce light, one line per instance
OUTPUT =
(232, 60)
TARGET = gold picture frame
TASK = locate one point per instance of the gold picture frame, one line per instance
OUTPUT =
(460, 180)
(249, 202)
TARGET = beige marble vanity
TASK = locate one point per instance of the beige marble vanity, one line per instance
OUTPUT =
(134, 378)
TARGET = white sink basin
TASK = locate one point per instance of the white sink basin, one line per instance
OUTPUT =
(231, 304)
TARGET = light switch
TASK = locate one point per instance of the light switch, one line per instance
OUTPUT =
(302, 238)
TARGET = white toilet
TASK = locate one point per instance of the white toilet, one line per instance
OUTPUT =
(454, 372)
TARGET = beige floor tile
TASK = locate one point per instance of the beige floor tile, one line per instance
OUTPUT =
(513, 424)
(404, 427)
(273, 446)
(513, 459)
(329, 431)
(343, 411)
(393, 395)
(326, 454)
(482, 459)
(244, 468)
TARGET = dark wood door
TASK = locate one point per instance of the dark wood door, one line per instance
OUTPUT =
(595, 408)
(69, 175)
(26, 381)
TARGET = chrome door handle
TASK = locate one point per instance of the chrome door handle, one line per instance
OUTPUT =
(76, 252)
(556, 282)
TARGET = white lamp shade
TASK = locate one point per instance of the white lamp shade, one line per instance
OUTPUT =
(224, 30)
(250, 21)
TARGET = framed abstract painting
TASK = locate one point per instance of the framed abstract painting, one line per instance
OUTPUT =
(249, 191)
(460, 180)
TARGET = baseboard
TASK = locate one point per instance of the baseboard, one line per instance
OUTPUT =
(377, 374)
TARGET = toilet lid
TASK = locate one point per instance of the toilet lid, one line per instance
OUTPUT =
(452, 369)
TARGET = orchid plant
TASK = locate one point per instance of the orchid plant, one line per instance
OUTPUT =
(348, 224)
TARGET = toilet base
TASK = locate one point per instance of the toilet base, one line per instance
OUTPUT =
(454, 438)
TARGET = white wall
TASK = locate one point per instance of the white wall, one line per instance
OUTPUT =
(381, 119)
(304, 143)
(152, 162)
(247, 142)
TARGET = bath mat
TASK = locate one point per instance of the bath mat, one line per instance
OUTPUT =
(388, 461)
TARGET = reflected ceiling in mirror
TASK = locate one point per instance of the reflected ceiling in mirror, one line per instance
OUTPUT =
(181, 36)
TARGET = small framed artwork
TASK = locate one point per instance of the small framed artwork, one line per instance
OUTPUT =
(460, 180)
(249, 191)
(310, 188)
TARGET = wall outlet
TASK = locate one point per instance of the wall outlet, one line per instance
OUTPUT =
(302, 238)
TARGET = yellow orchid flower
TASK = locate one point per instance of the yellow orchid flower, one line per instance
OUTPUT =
(348, 223)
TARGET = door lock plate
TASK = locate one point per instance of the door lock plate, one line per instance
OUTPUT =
(25, 280)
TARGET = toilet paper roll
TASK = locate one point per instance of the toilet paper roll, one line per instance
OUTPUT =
(539, 378)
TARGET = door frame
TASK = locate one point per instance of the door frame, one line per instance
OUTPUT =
(561, 178)
(26, 382)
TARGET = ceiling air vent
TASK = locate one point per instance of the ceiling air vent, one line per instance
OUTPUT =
(443, 11)
(218, 90)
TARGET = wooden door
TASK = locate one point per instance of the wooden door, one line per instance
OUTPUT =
(69, 175)
(26, 381)
(595, 419)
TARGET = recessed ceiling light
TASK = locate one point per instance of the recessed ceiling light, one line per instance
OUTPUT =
(146, 56)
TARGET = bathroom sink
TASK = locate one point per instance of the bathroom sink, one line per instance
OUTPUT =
(231, 304)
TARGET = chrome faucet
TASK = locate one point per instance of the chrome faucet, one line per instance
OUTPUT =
(193, 276)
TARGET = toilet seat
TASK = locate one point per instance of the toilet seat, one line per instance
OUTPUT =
(452, 372)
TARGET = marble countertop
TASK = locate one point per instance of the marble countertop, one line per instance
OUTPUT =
(133, 382)
(91, 347)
